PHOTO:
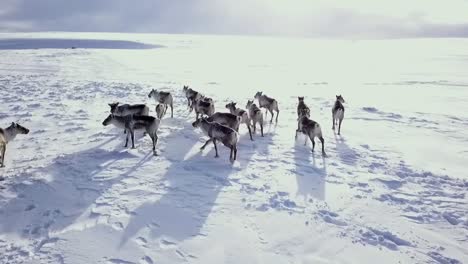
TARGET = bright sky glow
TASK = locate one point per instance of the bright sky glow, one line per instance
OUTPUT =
(318, 18)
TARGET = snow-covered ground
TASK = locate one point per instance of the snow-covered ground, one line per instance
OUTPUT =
(393, 188)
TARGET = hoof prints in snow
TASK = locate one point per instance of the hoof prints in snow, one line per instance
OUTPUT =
(384, 238)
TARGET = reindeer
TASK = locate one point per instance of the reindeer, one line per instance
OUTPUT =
(203, 107)
(226, 119)
(256, 115)
(241, 113)
(311, 129)
(215, 132)
(192, 96)
(269, 103)
(163, 98)
(126, 109)
(134, 122)
(302, 108)
(7, 135)
(161, 110)
(338, 112)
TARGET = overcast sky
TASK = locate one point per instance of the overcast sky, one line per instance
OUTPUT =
(316, 18)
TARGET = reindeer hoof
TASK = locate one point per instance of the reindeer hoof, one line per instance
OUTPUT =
(155, 154)
(133, 147)
(216, 156)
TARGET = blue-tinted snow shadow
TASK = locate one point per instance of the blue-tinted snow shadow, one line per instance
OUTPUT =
(346, 154)
(194, 184)
(51, 43)
(75, 183)
(310, 178)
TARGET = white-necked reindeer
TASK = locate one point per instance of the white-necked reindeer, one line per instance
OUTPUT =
(133, 122)
(244, 115)
(128, 109)
(163, 98)
(256, 115)
(217, 132)
(269, 103)
(338, 112)
(161, 110)
(7, 135)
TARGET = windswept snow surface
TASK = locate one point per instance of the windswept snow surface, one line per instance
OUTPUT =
(393, 188)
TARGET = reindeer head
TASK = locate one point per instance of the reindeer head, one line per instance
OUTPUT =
(18, 128)
(113, 107)
(231, 105)
(152, 93)
(340, 98)
(199, 121)
(108, 120)
(185, 89)
(249, 104)
(301, 99)
(258, 94)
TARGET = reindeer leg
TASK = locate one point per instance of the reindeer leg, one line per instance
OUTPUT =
(2, 164)
(339, 126)
(206, 143)
(155, 141)
(216, 148)
(250, 131)
(261, 128)
(313, 142)
(323, 146)
(126, 140)
(277, 114)
(272, 115)
(235, 152)
(172, 111)
(133, 138)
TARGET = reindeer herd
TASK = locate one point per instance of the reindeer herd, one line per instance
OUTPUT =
(217, 126)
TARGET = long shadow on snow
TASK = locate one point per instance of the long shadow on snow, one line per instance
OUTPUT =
(194, 184)
(310, 178)
(346, 154)
(76, 184)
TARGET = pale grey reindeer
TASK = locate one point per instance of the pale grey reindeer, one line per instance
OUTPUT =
(7, 135)
(134, 122)
(255, 115)
(338, 112)
(161, 110)
(269, 103)
(128, 109)
(163, 98)
(203, 106)
(227, 119)
(311, 130)
(244, 115)
(192, 96)
(217, 132)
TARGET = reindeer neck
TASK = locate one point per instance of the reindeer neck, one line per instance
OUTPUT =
(10, 133)
(338, 103)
